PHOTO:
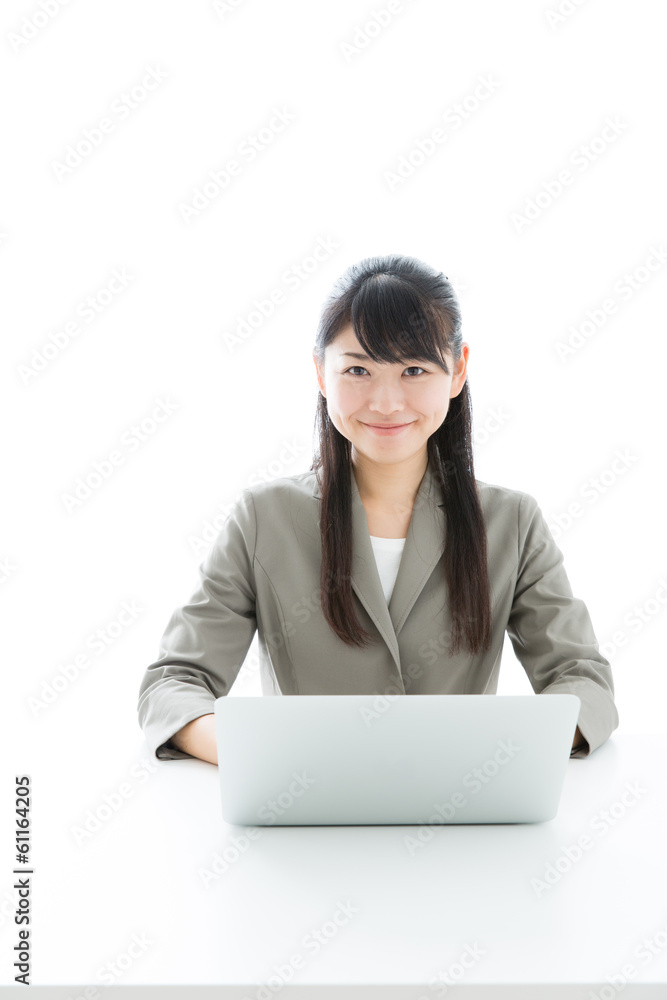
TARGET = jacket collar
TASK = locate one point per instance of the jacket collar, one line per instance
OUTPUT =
(423, 547)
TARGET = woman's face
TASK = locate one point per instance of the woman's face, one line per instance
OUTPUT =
(361, 393)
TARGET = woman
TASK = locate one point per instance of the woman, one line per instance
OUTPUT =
(387, 568)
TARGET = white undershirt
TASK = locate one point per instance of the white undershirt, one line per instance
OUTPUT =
(387, 553)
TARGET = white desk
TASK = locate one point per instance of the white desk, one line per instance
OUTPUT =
(467, 892)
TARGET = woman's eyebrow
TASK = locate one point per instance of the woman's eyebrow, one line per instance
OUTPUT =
(366, 357)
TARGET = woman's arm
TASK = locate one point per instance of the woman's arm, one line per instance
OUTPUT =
(552, 632)
(206, 640)
(198, 738)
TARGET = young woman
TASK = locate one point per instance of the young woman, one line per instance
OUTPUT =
(387, 568)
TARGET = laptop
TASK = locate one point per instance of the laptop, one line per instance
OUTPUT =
(312, 760)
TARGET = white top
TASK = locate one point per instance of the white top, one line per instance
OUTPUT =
(387, 553)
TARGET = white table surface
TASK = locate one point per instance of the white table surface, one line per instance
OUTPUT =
(468, 889)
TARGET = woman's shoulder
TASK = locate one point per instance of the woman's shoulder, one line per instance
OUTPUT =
(304, 484)
(298, 483)
(270, 495)
(493, 492)
(500, 501)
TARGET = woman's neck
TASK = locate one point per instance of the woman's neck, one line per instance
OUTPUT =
(385, 486)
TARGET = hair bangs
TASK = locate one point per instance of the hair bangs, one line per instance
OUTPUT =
(394, 324)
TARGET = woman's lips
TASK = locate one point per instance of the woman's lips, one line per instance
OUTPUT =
(387, 429)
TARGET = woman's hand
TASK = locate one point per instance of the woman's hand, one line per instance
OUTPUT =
(198, 738)
(578, 738)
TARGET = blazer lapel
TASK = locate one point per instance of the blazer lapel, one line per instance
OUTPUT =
(423, 547)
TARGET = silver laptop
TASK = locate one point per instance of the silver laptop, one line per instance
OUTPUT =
(306, 760)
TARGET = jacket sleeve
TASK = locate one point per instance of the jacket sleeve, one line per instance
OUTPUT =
(552, 633)
(206, 640)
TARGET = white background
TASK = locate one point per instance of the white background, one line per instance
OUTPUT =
(324, 178)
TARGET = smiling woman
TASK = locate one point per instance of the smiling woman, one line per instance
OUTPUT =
(387, 568)
(401, 319)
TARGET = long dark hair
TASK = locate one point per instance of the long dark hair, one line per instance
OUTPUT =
(402, 310)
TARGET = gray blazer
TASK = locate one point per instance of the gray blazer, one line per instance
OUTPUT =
(263, 574)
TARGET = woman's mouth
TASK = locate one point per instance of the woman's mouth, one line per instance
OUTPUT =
(387, 429)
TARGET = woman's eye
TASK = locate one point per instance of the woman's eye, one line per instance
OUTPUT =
(411, 367)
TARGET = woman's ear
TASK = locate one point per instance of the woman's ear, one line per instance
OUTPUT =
(458, 381)
(320, 375)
